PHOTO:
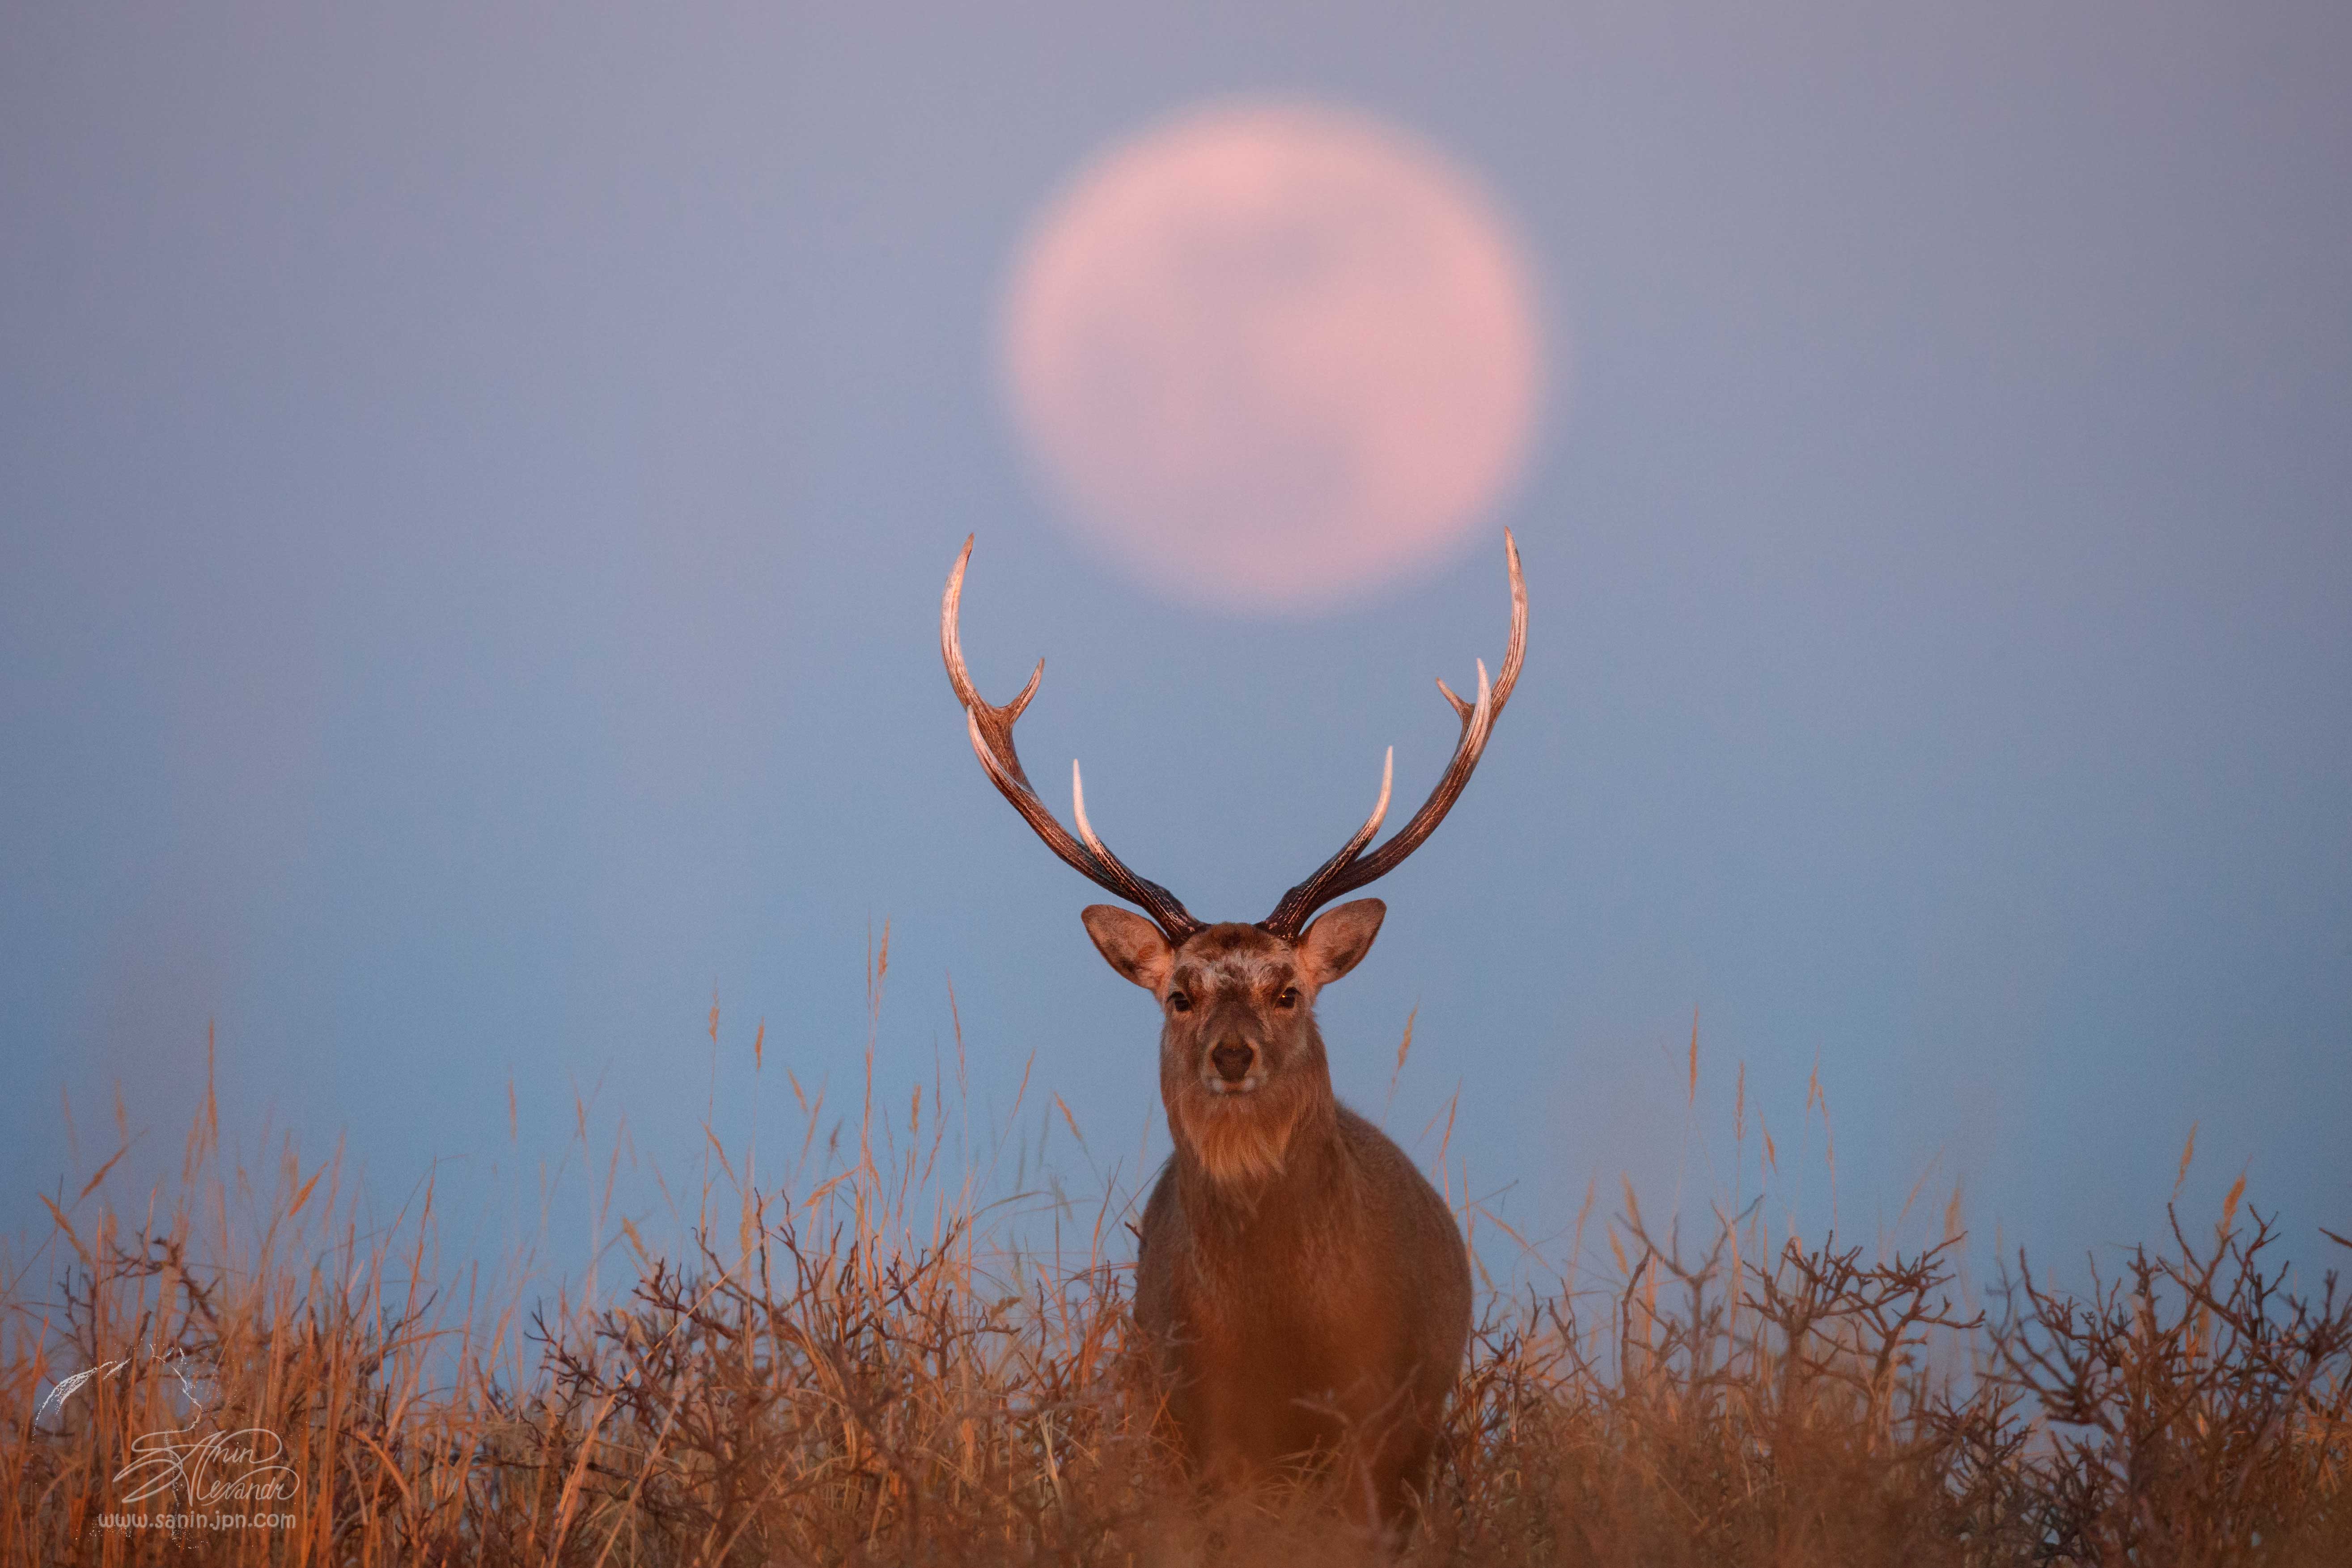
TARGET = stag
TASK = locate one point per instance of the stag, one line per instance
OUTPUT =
(1303, 1289)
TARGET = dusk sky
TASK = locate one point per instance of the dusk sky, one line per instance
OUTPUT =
(476, 485)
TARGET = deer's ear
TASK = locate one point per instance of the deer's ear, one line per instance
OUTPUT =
(1131, 944)
(1338, 940)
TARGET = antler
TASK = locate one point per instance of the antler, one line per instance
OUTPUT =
(991, 742)
(1343, 873)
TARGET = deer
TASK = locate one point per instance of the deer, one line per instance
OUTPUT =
(1302, 1293)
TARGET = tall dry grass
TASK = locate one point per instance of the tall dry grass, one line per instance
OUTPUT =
(850, 1367)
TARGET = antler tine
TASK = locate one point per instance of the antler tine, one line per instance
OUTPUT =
(951, 649)
(990, 729)
(1173, 919)
(1344, 872)
(1078, 810)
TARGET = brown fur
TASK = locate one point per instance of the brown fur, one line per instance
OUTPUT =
(1303, 1288)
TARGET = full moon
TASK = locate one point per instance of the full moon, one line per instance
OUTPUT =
(1270, 358)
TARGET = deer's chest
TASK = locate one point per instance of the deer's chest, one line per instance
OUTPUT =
(1293, 1310)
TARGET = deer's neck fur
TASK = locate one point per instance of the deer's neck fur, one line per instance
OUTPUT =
(1274, 1154)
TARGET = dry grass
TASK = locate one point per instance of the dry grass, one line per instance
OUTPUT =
(844, 1370)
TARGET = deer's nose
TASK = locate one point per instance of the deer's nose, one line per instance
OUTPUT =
(1233, 1062)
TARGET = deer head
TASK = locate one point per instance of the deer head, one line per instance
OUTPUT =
(1242, 1067)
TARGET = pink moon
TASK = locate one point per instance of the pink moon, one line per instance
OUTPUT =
(1271, 358)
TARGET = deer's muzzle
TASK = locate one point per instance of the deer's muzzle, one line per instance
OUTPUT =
(1233, 1062)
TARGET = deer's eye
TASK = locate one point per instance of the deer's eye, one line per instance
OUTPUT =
(1288, 999)
(1179, 1002)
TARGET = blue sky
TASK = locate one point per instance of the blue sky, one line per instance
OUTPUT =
(475, 489)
